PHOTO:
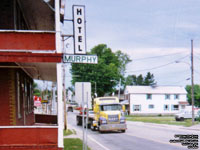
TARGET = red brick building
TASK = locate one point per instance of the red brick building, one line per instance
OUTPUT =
(30, 48)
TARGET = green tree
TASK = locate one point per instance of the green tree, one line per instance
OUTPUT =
(36, 91)
(149, 79)
(110, 68)
(130, 80)
(140, 80)
(196, 94)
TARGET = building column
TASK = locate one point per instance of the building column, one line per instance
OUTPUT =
(59, 76)
(60, 105)
(58, 28)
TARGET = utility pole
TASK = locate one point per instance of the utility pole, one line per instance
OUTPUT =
(64, 99)
(64, 91)
(192, 81)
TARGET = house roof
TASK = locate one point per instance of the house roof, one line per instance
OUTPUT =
(183, 103)
(124, 102)
(155, 90)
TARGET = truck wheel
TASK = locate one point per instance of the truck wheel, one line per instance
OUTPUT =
(92, 128)
(89, 126)
(78, 122)
(123, 131)
(181, 119)
(101, 131)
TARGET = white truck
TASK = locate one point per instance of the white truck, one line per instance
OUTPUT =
(187, 114)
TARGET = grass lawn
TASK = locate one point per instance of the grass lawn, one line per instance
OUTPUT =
(68, 132)
(160, 120)
(73, 144)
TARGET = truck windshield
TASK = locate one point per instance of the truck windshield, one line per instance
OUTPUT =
(110, 107)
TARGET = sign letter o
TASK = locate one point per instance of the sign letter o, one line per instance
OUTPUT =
(79, 20)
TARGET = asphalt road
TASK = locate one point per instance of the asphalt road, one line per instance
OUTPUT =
(138, 136)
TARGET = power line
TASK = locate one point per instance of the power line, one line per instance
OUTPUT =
(157, 67)
(156, 56)
(180, 81)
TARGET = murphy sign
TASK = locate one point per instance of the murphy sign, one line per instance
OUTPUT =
(79, 29)
(83, 59)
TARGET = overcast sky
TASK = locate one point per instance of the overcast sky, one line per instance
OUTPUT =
(154, 33)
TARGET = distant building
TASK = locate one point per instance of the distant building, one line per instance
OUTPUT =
(154, 100)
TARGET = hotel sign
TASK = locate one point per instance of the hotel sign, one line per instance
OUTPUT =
(79, 29)
(83, 59)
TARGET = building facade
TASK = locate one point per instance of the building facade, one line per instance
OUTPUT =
(148, 100)
(30, 48)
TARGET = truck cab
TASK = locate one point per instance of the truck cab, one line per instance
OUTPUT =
(187, 114)
(108, 115)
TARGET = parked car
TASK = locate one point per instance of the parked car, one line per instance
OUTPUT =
(91, 113)
(71, 106)
(187, 114)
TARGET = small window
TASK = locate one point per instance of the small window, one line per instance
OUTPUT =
(136, 107)
(167, 96)
(176, 96)
(175, 107)
(166, 107)
(149, 96)
(151, 106)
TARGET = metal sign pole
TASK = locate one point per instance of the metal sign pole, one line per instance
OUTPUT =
(86, 121)
(83, 120)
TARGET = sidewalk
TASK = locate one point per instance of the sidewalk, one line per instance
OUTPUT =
(194, 127)
(76, 135)
(72, 136)
(92, 144)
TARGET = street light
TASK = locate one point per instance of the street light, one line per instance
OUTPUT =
(119, 87)
(95, 89)
(177, 61)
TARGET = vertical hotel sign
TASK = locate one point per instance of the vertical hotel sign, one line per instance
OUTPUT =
(79, 29)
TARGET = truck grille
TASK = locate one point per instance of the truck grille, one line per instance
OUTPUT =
(113, 118)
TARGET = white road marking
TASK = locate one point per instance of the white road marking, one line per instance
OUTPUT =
(98, 143)
(90, 137)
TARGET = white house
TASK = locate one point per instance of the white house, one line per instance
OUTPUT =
(156, 99)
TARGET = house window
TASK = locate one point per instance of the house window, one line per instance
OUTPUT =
(136, 107)
(167, 96)
(175, 107)
(151, 106)
(176, 96)
(18, 96)
(149, 96)
(166, 107)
